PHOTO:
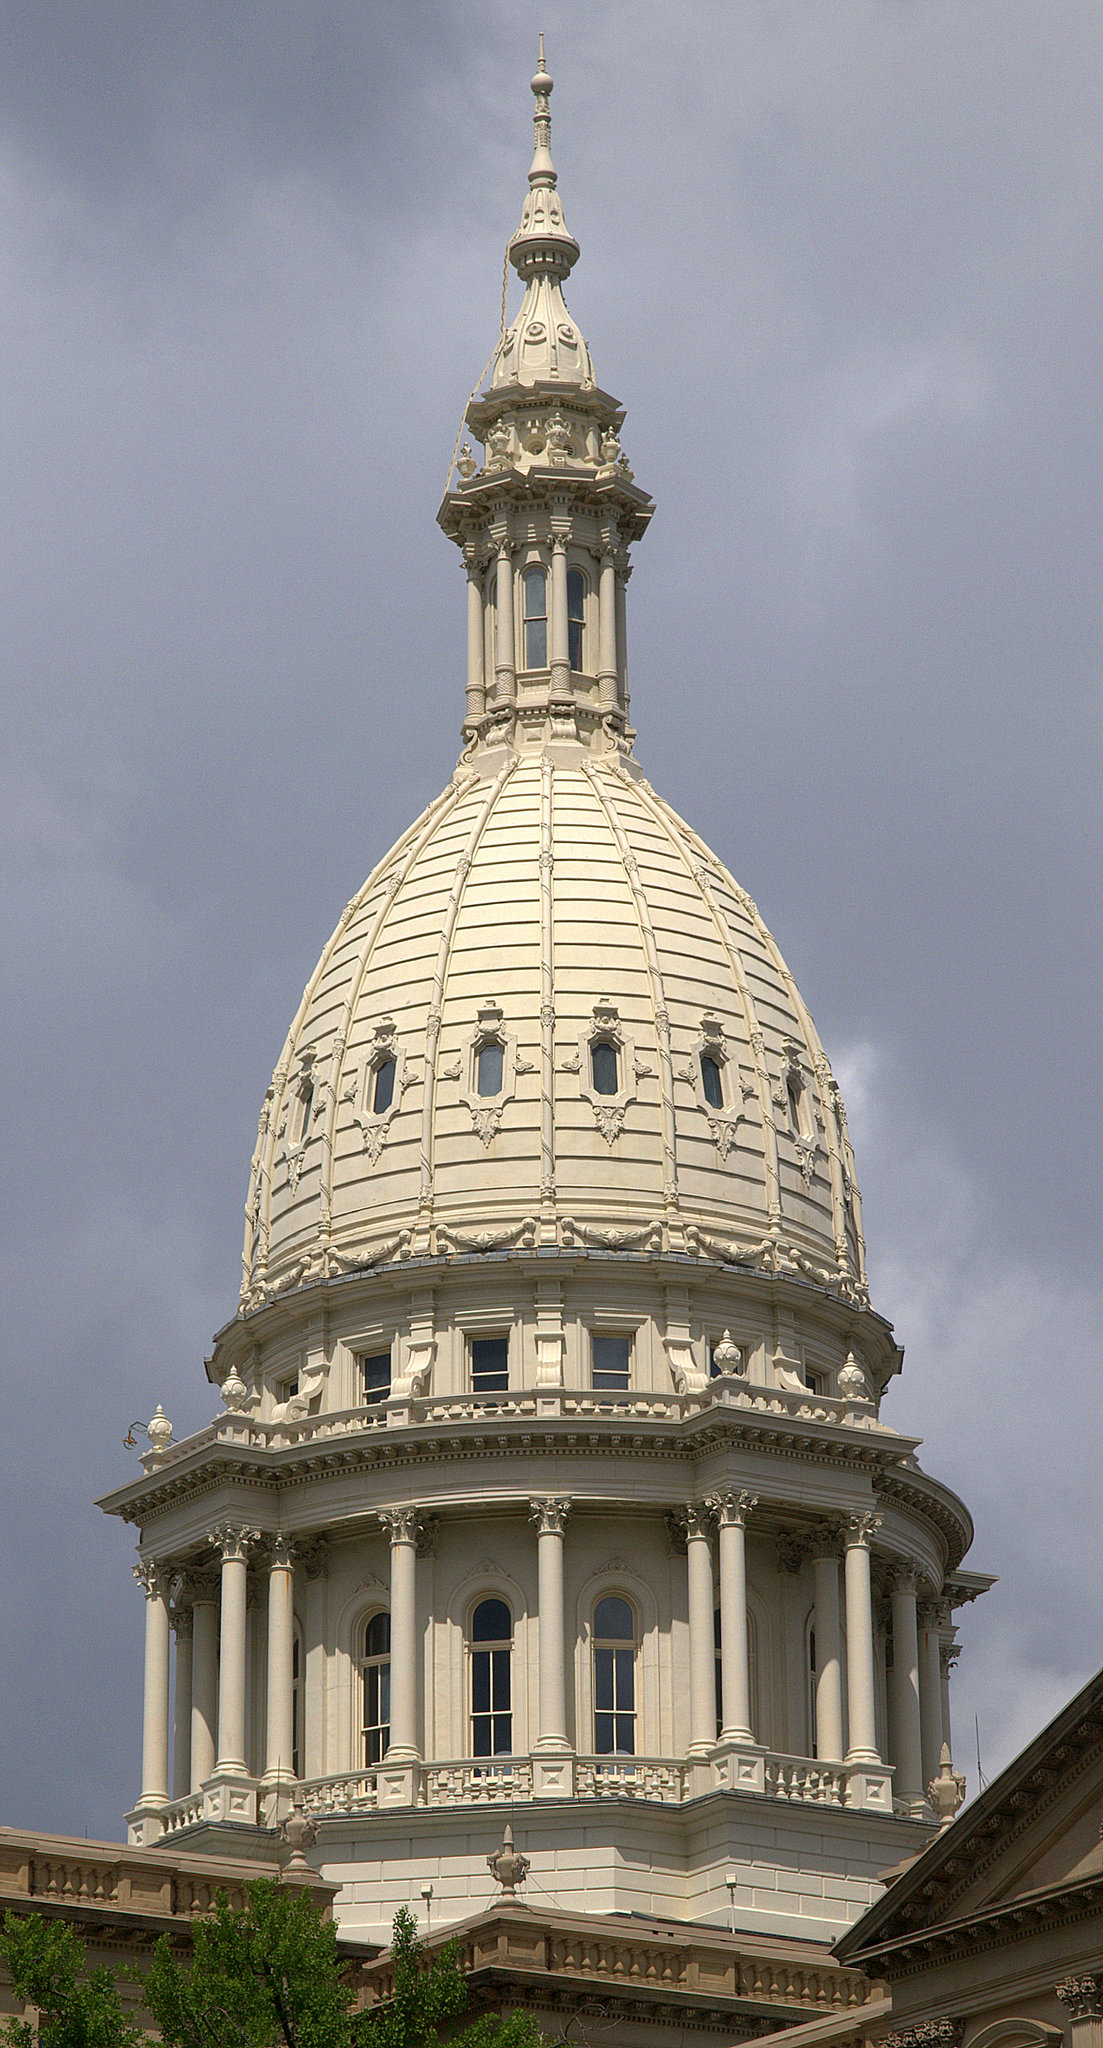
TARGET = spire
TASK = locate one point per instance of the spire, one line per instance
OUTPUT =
(542, 246)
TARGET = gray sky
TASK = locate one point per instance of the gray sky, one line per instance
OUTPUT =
(841, 262)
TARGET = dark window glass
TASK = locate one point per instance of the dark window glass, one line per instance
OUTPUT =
(576, 594)
(614, 1678)
(383, 1093)
(491, 1681)
(609, 1360)
(376, 1376)
(793, 1095)
(711, 1081)
(489, 1364)
(536, 618)
(719, 1670)
(488, 1070)
(603, 1067)
(306, 1104)
(377, 1688)
(296, 1707)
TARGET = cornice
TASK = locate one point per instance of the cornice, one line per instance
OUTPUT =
(1036, 1912)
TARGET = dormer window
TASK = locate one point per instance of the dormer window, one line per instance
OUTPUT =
(604, 1068)
(712, 1081)
(303, 1106)
(489, 1063)
(576, 601)
(535, 586)
(383, 1090)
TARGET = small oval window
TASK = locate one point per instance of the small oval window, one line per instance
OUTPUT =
(712, 1081)
(383, 1092)
(603, 1068)
(488, 1069)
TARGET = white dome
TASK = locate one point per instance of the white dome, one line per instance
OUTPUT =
(545, 905)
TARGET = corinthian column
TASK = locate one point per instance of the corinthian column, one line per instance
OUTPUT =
(233, 1541)
(607, 631)
(476, 684)
(908, 1759)
(181, 1621)
(402, 1525)
(559, 657)
(829, 1672)
(550, 1517)
(860, 1531)
(731, 1511)
(505, 672)
(279, 1765)
(154, 1581)
(697, 1522)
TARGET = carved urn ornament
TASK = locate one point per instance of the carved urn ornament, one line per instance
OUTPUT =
(508, 1867)
(946, 1792)
(159, 1430)
(300, 1834)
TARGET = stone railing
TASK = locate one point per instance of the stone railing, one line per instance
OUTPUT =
(183, 1813)
(458, 1784)
(106, 1879)
(630, 1777)
(350, 1792)
(809, 1783)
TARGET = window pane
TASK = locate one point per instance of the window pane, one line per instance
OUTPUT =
(536, 643)
(536, 604)
(576, 592)
(603, 1066)
(626, 1735)
(489, 1364)
(574, 643)
(603, 1734)
(480, 1736)
(603, 1679)
(503, 1734)
(377, 1636)
(492, 1622)
(480, 1682)
(488, 1070)
(383, 1093)
(614, 1618)
(711, 1082)
(376, 1376)
(624, 1678)
(609, 1359)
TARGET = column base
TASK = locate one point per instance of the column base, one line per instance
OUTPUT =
(869, 1785)
(275, 1797)
(145, 1826)
(230, 1796)
(738, 1767)
(552, 1774)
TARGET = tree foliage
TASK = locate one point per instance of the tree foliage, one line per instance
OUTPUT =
(267, 1976)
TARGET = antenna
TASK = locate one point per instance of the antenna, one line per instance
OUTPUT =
(981, 1779)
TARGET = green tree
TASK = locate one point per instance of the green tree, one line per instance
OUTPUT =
(77, 2007)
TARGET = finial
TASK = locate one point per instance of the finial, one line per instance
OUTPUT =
(946, 1792)
(542, 170)
(508, 1868)
(299, 1833)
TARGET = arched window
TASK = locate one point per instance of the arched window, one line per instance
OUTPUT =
(489, 1068)
(614, 1677)
(375, 1667)
(712, 1081)
(383, 1091)
(576, 601)
(604, 1067)
(491, 1679)
(535, 585)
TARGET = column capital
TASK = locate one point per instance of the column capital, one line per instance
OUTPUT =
(234, 1540)
(560, 534)
(154, 1576)
(196, 1585)
(860, 1530)
(314, 1554)
(695, 1520)
(1083, 1996)
(280, 1551)
(928, 2034)
(180, 1619)
(904, 1578)
(403, 1525)
(549, 1516)
(731, 1509)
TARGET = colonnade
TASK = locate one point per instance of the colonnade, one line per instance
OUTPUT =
(210, 1619)
(485, 690)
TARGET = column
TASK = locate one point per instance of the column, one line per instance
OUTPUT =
(154, 1581)
(948, 1654)
(607, 632)
(622, 635)
(403, 1528)
(233, 1541)
(731, 1510)
(505, 673)
(909, 1782)
(280, 1725)
(702, 1648)
(930, 1690)
(181, 1723)
(829, 1661)
(476, 681)
(204, 1681)
(559, 653)
(550, 1517)
(859, 1641)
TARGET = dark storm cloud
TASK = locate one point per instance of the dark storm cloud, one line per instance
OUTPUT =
(840, 261)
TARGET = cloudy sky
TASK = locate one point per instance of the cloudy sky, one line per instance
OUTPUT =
(841, 262)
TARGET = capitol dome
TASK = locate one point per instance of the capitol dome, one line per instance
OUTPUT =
(550, 1478)
(551, 1017)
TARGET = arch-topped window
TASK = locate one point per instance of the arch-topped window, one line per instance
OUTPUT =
(576, 612)
(491, 1679)
(535, 588)
(375, 1666)
(614, 1677)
